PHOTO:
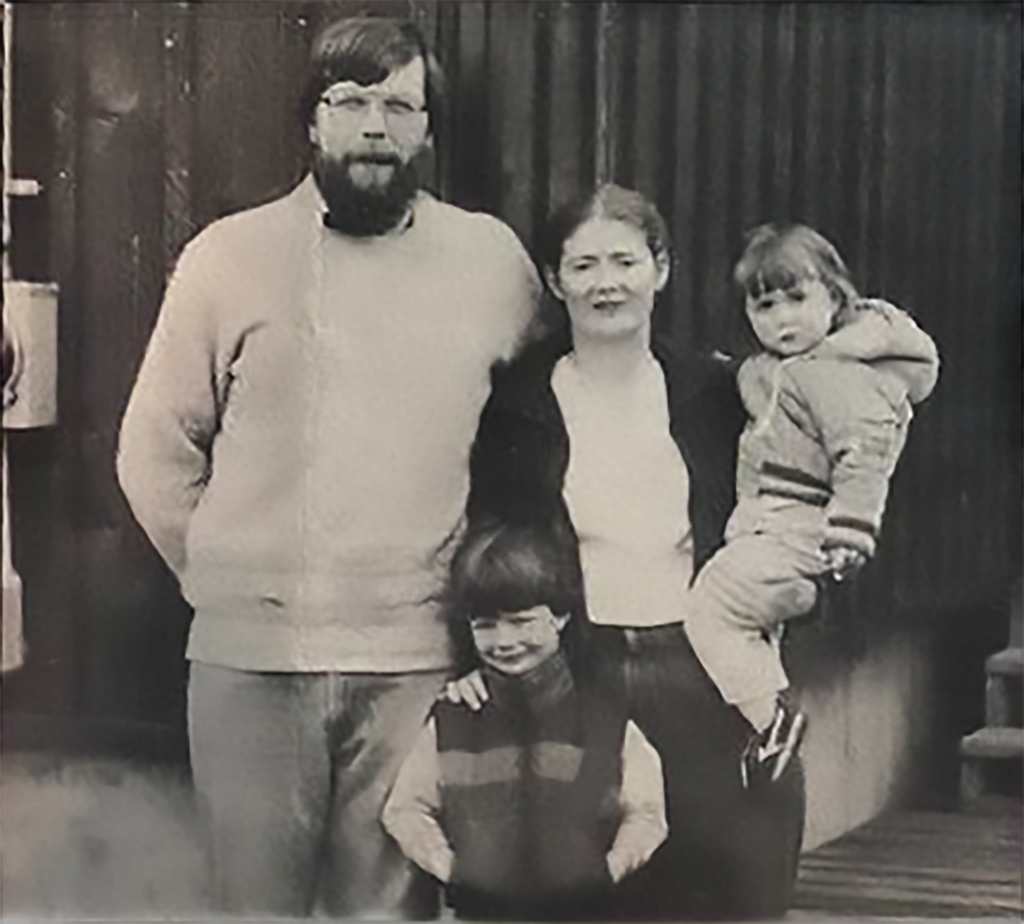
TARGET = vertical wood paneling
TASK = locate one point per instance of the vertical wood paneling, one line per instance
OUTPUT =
(179, 78)
(249, 79)
(470, 156)
(867, 100)
(748, 187)
(512, 29)
(645, 157)
(877, 124)
(685, 36)
(779, 79)
(570, 126)
(609, 66)
(716, 244)
(42, 465)
(122, 259)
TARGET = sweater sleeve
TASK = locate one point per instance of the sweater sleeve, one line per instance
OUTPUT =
(642, 800)
(517, 289)
(861, 415)
(412, 812)
(164, 446)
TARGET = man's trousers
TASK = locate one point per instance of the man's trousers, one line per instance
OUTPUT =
(291, 772)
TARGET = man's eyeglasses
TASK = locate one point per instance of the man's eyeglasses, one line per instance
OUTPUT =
(398, 113)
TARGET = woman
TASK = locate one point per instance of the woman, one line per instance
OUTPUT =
(631, 450)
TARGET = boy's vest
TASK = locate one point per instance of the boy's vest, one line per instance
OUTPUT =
(530, 787)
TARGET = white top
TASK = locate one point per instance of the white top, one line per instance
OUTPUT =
(627, 489)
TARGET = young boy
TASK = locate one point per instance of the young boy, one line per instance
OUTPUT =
(829, 402)
(534, 806)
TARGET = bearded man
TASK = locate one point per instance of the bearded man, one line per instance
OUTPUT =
(296, 447)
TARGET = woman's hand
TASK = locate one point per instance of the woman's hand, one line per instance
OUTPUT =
(468, 691)
(843, 560)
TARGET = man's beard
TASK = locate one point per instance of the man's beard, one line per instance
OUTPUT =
(364, 211)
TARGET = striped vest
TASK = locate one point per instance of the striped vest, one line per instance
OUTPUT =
(529, 789)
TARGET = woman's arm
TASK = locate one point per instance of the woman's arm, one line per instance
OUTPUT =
(642, 800)
(412, 812)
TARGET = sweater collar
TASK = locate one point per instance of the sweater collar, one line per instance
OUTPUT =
(540, 688)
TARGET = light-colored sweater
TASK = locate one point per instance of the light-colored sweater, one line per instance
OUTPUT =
(296, 445)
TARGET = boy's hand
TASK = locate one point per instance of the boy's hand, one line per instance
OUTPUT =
(468, 691)
(843, 560)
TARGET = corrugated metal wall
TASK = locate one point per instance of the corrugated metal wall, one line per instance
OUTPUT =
(894, 129)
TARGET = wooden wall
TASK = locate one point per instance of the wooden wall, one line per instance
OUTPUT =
(894, 129)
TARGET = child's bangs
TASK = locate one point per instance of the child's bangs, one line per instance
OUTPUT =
(779, 271)
(512, 584)
(488, 602)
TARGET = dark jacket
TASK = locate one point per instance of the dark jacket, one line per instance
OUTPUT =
(521, 452)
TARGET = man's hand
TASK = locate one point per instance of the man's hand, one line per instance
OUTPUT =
(843, 560)
(469, 691)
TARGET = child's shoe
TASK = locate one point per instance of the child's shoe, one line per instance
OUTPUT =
(769, 752)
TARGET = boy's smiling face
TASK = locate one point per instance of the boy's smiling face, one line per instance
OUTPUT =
(516, 643)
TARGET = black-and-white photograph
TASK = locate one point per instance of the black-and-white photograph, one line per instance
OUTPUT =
(529, 460)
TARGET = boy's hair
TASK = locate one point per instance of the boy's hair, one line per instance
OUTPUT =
(506, 568)
(366, 50)
(779, 256)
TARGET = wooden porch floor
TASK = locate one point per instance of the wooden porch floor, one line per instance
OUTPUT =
(103, 839)
(919, 865)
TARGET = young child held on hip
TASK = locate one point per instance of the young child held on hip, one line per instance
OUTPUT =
(829, 398)
(534, 806)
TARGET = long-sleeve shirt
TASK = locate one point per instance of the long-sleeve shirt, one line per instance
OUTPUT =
(412, 814)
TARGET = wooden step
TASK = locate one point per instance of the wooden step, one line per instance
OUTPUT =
(1010, 661)
(1004, 703)
(1017, 615)
(988, 763)
(994, 744)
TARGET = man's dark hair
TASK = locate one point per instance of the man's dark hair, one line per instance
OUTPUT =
(365, 51)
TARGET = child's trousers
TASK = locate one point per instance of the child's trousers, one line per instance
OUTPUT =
(763, 576)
